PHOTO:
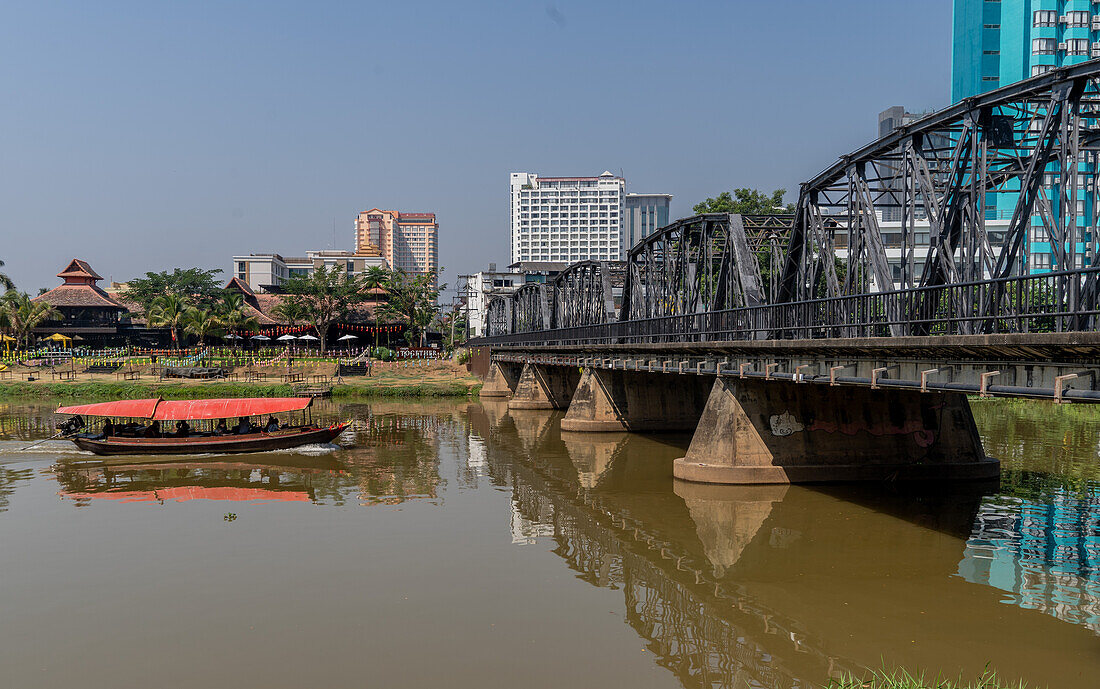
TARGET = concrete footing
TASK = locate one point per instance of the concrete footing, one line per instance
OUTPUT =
(501, 381)
(756, 431)
(544, 387)
(609, 401)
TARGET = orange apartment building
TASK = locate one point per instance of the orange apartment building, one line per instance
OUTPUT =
(409, 241)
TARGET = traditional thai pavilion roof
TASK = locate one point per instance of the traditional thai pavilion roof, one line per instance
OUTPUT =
(79, 268)
(262, 304)
(79, 289)
(79, 295)
(239, 284)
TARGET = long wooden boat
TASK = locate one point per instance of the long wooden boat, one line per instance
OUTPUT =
(157, 411)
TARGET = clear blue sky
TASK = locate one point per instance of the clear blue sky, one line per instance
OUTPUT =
(148, 135)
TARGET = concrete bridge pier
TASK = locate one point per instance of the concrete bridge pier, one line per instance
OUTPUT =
(502, 379)
(768, 431)
(544, 387)
(613, 400)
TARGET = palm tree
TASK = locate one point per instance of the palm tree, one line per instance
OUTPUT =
(202, 322)
(5, 281)
(375, 276)
(233, 315)
(289, 311)
(22, 314)
(168, 311)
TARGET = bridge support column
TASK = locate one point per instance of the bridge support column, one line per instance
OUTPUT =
(501, 380)
(544, 387)
(607, 401)
(756, 431)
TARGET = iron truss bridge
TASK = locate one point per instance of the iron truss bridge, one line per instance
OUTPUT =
(926, 232)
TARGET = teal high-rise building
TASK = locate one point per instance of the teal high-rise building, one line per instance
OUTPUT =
(997, 43)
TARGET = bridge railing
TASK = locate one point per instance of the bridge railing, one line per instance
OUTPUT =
(1065, 301)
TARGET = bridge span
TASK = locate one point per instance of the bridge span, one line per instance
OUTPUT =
(835, 343)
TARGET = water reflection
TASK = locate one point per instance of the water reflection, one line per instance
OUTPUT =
(262, 478)
(786, 586)
(764, 586)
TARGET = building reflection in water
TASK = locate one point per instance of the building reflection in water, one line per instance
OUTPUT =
(774, 586)
(1045, 555)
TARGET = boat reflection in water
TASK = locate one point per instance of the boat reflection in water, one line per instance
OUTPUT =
(394, 458)
(777, 586)
(266, 476)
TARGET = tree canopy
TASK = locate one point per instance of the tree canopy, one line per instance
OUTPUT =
(323, 297)
(412, 299)
(5, 281)
(746, 202)
(21, 315)
(195, 285)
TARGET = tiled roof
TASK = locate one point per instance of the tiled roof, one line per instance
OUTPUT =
(78, 295)
(78, 268)
(237, 283)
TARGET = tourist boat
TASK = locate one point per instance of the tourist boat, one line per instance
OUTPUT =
(137, 420)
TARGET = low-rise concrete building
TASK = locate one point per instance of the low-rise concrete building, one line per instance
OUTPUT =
(267, 272)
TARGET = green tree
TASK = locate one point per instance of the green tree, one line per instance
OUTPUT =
(452, 324)
(325, 297)
(234, 315)
(750, 202)
(375, 276)
(195, 285)
(22, 314)
(412, 300)
(202, 323)
(746, 202)
(5, 281)
(169, 311)
(290, 311)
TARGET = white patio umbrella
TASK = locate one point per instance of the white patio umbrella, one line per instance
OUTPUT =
(286, 338)
(261, 338)
(347, 337)
(231, 336)
(311, 338)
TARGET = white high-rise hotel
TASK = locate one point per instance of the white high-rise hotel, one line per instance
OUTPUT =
(567, 218)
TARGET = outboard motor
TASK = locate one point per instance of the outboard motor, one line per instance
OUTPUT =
(73, 425)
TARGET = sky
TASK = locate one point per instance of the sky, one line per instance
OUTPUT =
(143, 136)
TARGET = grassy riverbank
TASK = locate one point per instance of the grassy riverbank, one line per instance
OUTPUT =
(901, 679)
(441, 379)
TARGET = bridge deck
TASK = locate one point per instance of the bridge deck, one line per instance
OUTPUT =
(1059, 366)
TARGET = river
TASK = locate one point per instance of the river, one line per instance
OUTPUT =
(458, 544)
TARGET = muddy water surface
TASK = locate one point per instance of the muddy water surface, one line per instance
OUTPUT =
(462, 545)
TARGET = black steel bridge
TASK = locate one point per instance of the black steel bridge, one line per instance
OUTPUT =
(909, 274)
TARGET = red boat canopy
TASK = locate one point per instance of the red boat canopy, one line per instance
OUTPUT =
(190, 409)
(228, 408)
(127, 409)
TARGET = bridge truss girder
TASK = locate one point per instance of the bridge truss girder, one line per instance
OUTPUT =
(584, 294)
(1037, 140)
(704, 263)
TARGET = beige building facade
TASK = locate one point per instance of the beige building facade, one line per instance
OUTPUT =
(407, 241)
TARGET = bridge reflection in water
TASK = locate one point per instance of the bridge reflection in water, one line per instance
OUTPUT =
(776, 586)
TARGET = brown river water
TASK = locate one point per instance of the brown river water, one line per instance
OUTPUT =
(456, 544)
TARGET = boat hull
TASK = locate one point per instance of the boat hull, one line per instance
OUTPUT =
(220, 444)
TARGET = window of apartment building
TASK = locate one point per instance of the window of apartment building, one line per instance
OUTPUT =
(991, 26)
(1077, 18)
(1044, 46)
(1036, 70)
(1077, 46)
(1040, 261)
(1045, 18)
(991, 78)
